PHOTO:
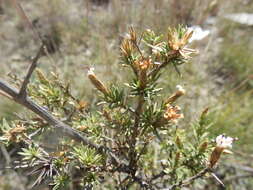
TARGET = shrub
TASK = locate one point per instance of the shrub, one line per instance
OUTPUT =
(130, 139)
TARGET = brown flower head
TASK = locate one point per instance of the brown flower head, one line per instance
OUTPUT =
(133, 35)
(141, 66)
(12, 134)
(126, 47)
(172, 113)
(145, 64)
(177, 42)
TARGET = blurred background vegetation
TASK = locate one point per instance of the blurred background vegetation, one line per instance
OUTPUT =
(85, 33)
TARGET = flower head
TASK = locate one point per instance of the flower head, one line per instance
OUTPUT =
(90, 71)
(141, 66)
(13, 134)
(172, 113)
(145, 64)
(177, 40)
(224, 142)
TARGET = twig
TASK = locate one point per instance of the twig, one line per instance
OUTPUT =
(162, 65)
(190, 180)
(22, 91)
(217, 179)
(138, 48)
(161, 174)
(25, 18)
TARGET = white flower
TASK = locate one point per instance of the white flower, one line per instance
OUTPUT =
(91, 71)
(180, 88)
(224, 142)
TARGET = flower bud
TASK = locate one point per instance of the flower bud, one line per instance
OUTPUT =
(96, 82)
(177, 157)
(133, 35)
(203, 147)
(180, 92)
(204, 113)
(222, 143)
(215, 156)
(144, 65)
(126, 47)
(179, 142)
(41, 76)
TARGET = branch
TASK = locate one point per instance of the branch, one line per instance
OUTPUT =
(164, 64)
(22, 91)
(190, 180)
(25, 18)
(28, 23)
(160, 175)
(21, 97)
(135, 132)
(43, 113)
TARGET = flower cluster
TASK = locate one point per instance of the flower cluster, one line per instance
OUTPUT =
(142, 66)
(13, 134)
(172, 113)
(224, 142)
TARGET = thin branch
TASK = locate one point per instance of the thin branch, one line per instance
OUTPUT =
(33, 65)
(27, 22)
(217, 179)
(135, 133)
(25, 18)
(190, 180)
(160, 175)
(162, 65)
